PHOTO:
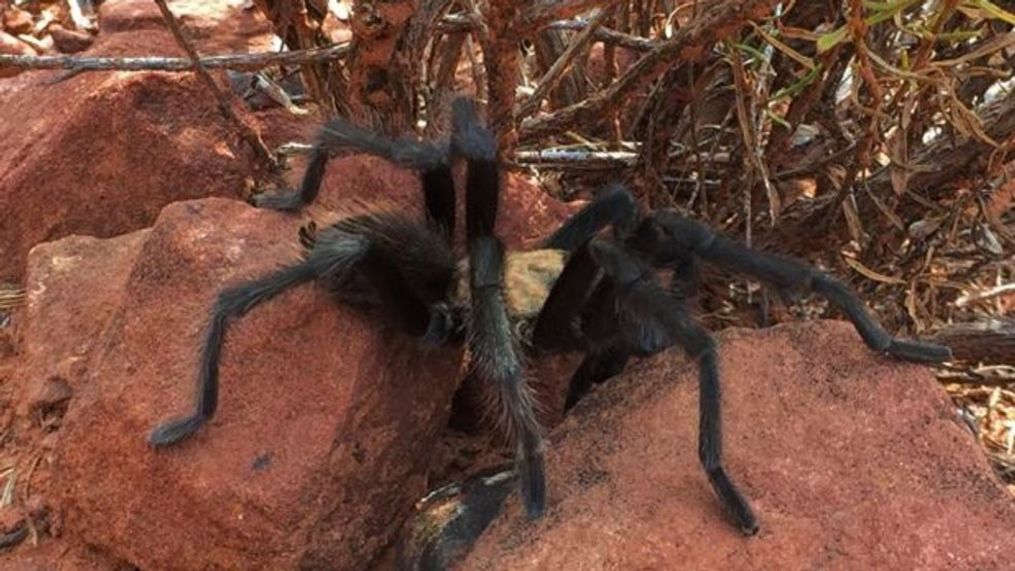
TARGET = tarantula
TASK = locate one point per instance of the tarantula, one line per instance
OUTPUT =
(582, 290)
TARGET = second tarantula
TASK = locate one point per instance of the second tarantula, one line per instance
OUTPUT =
(581, 290)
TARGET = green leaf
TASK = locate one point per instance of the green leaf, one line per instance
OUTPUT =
(790, 52)
(752, 51)
(892, 7)
(995, 11)
(959, 36)
(880, 12)
(831, 39)
(777, 119)
(797, 86)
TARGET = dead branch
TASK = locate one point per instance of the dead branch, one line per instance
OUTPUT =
(11, 296)
(502, 63)
(175, 64)
(385, 61)
(944, 159)
(992, 341)
(577, 159)
(460, 23)
(689, 44)
(299, 26)
(543, 12)
(608, 35)
(246, 131)
(578, 45)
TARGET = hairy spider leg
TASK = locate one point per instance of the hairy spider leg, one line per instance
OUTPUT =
(491, 345)
(309, 186)
(612, 206)
(579, 315)
(432, 158)
(686, 278)
(790, 277)
(439, 194)
(334, 254)
(583, 295)
(231, 303)
(599, 365)
(554, 328)
(608, 351)
(656, 319)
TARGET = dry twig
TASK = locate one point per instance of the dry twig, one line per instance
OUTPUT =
(715, 23)
(157, 63)
(578, 45)
(246, 131)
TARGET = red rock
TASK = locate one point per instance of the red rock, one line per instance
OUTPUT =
(53, 556)
(320, 443)
(70, 41)
(17, 21)
(117, 16)
(853, 461)
(101, 153)
(81, 305)
(316, 455)
(11, 519)
(534, 215)
(215, 26)
(9, 45)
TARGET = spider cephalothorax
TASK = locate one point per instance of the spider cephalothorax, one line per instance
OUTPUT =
(582, 290)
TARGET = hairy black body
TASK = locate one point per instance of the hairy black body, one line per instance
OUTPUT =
(583, 290)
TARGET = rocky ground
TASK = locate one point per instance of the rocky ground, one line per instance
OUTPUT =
(124, 213)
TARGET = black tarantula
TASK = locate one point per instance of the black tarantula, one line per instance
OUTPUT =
(581, 290)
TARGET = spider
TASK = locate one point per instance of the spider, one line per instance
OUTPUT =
(584, 289)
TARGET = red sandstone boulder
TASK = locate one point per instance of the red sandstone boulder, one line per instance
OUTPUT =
(101, 153)
(853, 461)
(16, 21)
(215, 26)
(70, 41)
(325, 419)
(328, 421)
(77, 285)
